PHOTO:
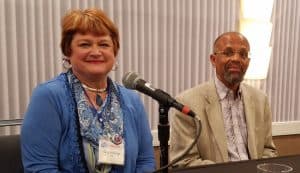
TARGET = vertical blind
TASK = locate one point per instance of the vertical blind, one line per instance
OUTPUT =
(168, 42)
(283, 81)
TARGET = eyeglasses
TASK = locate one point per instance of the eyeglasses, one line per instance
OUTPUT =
(230, 52)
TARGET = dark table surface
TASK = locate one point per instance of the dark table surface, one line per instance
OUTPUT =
(248, 166)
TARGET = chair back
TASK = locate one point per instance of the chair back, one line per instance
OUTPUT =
(10, 154)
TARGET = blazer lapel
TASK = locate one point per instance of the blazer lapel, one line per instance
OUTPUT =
(216, 122)
(250, 118)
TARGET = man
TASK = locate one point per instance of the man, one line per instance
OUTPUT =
(236, 118)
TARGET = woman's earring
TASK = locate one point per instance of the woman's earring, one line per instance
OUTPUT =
(66, 63)
(115, 67)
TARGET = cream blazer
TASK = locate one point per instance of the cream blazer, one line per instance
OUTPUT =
(211, 146)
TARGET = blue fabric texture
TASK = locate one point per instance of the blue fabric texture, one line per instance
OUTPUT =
(105, 123)
(51, 140)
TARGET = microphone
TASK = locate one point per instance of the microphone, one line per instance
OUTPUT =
(131, 80)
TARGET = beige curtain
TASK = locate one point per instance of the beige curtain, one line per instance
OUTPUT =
(167, 42)
(283, 81)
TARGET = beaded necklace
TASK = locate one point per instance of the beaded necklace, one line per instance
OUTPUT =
(99, 100)
(95, 90)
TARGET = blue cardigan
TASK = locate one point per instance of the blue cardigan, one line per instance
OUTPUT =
(50, 138)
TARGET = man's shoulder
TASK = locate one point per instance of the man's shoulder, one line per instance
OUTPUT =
(198, 90)
(252, 90)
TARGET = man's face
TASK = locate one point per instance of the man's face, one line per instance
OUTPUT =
(230, 58)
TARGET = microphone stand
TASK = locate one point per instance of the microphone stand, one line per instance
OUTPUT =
(164, 135)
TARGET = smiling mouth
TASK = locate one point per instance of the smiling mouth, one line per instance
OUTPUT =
(234, 69)
(95, 61)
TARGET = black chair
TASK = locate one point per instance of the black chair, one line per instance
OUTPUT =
(10, 154)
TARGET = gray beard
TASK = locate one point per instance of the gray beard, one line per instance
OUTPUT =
(233, 79)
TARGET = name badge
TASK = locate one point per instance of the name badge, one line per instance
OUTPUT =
(111, 153)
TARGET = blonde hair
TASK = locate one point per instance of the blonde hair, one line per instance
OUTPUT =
(93, 21)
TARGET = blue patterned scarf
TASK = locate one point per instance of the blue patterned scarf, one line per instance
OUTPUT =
(107, 122)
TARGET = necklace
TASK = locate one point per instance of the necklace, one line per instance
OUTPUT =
(99, 100)
(96, 90)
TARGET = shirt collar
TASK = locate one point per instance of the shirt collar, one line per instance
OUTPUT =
(223, 91)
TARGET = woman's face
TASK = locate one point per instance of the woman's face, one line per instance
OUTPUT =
(92, 55)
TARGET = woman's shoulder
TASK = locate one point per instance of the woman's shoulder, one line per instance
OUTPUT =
(56, 85)
(129, 97)
(129, 93)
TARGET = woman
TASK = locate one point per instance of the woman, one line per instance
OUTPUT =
(82, 121)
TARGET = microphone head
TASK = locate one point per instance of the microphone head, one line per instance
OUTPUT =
(130, 79)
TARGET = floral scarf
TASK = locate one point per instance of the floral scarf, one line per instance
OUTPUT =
(107, 122)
